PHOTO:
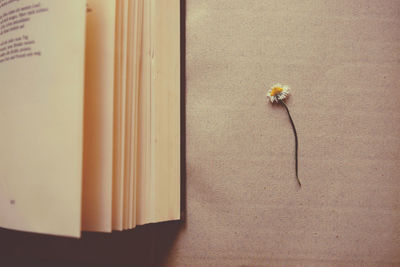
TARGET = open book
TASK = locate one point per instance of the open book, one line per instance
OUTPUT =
(89, 114)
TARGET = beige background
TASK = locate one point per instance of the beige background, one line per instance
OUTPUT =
(341, 59)
(244, 207)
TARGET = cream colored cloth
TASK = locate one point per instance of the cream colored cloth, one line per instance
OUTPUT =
(341, 59)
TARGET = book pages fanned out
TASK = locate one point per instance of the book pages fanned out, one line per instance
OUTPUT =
(90, 115)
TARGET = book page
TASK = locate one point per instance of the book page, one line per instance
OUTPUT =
(133, 78)
(129, 134)
(98, 119)
(143, 186)
(165, 109)
(41, 112)
(159, 167)
(137, 51)
(118, 182)
(123, 136)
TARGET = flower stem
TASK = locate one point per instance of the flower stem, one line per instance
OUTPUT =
(296, 141)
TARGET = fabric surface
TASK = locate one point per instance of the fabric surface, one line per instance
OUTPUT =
(341, 59)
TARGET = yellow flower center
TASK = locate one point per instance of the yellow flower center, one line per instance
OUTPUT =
(276, 91)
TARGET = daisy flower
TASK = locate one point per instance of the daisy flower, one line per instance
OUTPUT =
(277, 93)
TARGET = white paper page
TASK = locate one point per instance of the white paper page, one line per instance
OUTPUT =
(41, 112)
(98, 120)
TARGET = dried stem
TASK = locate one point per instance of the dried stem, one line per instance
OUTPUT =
(295, 136)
